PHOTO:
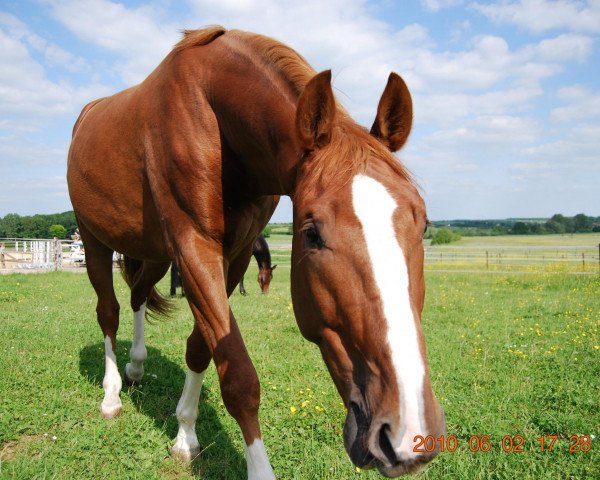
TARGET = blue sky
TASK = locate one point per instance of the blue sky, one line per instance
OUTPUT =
(506, 94)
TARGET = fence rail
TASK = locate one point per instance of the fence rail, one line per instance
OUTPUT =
(575, 259)
(53, 254)
(534, 258)
(38, 254)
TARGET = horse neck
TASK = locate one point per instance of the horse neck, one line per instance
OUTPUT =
(257, 126)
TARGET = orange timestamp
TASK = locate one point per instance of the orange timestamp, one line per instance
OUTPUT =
(508, 443)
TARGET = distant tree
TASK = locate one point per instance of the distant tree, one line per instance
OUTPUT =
(267, 231)
(12, 225)
(566, 221)
(444, 235)
(537, 228)
(57, 231)
(582, 223)
(499, 230)
(520, 228)
(554, 227)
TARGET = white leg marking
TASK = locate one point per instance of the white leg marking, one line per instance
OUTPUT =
(111, 405)
(186, 445)
(374, 207)
(138, 353)
(259, 467)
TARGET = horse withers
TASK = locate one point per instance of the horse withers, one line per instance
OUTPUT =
(192, 162)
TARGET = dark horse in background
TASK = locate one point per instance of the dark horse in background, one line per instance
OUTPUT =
(262, 255)
(192, 162)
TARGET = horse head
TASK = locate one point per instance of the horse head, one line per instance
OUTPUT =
(357, 274)
(265, 275)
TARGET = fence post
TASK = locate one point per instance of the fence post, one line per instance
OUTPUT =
(583, 260)
(55, 253)
(487, 260)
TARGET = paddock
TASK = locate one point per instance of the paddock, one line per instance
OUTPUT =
(511, 356)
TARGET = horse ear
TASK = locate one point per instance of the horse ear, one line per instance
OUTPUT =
(315, 112)
(394, 114)
(273, 267)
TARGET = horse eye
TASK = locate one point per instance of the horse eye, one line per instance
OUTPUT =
(313, 238)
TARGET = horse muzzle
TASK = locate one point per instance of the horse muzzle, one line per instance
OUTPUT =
(369, 444)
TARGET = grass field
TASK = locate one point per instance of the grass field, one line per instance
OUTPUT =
(566, 253)
(510, 355)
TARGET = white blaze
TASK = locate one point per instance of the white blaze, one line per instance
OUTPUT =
(374, 207)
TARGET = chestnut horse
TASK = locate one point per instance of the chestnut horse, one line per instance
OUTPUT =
(192, 161)
(262, 255)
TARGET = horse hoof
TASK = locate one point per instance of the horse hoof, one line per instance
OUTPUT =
(111, 412)
(127, 380)
(185, 455)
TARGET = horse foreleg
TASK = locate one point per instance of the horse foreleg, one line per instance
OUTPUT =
(240, 390)
(242, 289)
(239, 384)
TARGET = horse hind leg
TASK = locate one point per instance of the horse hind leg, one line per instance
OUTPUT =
(197, 357)
(142, 276)
(98, 259)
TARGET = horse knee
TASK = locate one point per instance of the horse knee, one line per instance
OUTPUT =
(108, 318)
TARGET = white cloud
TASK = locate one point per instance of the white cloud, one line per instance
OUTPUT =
(540, 16)
(565, 47)
(25, 88)
(576, 150)
(582, 103)
(138, 35)
(437, 5)
(476, 101)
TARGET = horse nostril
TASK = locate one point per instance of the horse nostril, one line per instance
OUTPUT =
(385, 444)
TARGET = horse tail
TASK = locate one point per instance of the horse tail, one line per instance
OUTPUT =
(156, 303)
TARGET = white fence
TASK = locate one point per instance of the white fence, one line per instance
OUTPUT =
(33, 254)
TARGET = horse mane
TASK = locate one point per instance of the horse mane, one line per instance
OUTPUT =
(349, 140)
(292, 66)
(197, 38)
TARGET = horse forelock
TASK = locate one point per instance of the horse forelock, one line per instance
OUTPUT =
(351, 150)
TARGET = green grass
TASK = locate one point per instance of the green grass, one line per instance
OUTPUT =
(508, 355)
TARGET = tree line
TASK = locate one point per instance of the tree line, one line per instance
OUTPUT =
(558, 223)
(60, 225)
(63, 225)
